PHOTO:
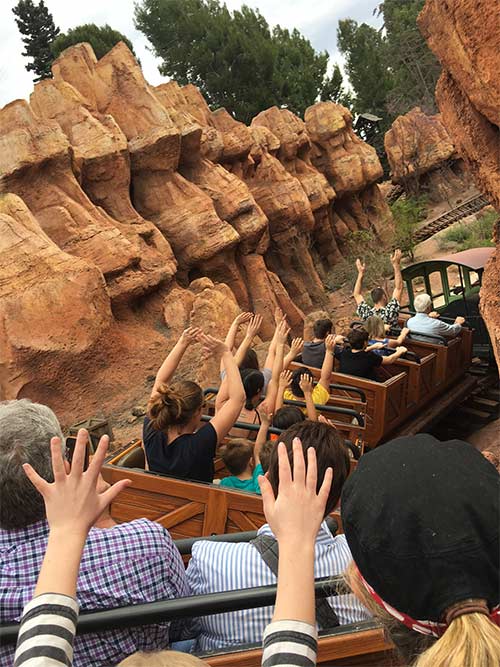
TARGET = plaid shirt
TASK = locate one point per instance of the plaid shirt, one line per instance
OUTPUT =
(131, 563)
(388, 313)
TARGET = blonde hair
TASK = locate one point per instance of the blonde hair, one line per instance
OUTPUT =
(375, 327)
(174, 404)
(161, 659)
(470, 641)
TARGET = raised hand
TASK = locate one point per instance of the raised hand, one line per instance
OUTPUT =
(253, 326)
(361, 266)
(266, 415)
(396, 257)
(242, 318)
(278, 315)
(212, 346)
(190, 336)
(285, 379)
(306, 383)
(282, 332)
(330, 342)
(296, 514)
(296, 346)
(73, 501)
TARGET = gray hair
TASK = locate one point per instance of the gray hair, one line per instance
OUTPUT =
(422, 303)
(25, 432)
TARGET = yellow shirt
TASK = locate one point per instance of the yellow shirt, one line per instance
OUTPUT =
(320, 396)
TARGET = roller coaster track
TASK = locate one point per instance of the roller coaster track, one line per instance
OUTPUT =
(468, 207)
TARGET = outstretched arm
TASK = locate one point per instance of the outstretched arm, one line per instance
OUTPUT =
(398, 278)
(169, 366)
(253, 328)
(327, 367)
(295, 517)
(278, 317)
(395, 355)
(306, 384)
(229, 412)
(284, 382)
(357, 293)
(265, 422)
(295, 349)
(272, 389)
(233, 330)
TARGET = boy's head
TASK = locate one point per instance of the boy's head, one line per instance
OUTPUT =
(295, 384)
(379, 297)
(330, 453)
(237, 455)
(286, 416)
(322, 328)
(357, 338)
(265, 453)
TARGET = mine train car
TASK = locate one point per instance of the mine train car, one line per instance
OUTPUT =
(453, 282)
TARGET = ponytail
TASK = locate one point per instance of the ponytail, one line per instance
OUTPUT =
(174, 404)
(471, 640)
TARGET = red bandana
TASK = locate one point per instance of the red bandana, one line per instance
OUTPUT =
(424, 627)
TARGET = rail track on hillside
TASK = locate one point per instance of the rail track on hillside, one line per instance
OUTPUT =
(468, 207)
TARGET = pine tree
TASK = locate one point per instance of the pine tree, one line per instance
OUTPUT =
(35, 22)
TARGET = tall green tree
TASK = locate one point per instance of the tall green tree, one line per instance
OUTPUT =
(415, 68)
(365, 53)
(101, 38)
(334, 90)
(35, 22)
(234, 58)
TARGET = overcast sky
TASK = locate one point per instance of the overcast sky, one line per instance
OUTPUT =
(316, 19)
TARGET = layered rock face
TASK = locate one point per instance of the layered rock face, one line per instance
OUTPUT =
(134, 203)
(464, 36)
(423, 158)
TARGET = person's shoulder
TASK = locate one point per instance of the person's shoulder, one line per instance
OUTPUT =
(228, 482)
(320, 394)
(287, 395)
(140, 535)
(211, 552)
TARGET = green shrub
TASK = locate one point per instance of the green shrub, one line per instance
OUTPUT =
(407, 213)
(474, 234)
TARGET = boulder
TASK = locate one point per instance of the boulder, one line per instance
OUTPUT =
(54, 307)
(464, 36)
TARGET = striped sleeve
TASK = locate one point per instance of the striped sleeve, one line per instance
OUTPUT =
(47, 631)
(290, 643)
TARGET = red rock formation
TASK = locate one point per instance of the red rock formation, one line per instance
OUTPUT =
(53, 307)
(423, 158)
(464, 36)
(149, 212)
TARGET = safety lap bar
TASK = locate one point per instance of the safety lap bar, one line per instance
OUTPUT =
(188, 607)
(246, 426)
(330, 408)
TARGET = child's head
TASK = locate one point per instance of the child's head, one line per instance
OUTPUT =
(237, 455)
(357, 338)
(287, 416)
(265, 453)
(295, 384)
(375, 327)
(322, 328)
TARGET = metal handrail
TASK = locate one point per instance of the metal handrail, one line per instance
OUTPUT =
(329, 409)
(246, 426)
(163, 611)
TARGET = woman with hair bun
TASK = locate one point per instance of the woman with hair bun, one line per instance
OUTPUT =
(421, 518)
(173, 440)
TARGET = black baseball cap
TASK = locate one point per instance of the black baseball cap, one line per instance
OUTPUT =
(421, 518)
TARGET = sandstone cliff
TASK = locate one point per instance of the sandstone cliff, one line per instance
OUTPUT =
(465, 37)
(140, 210)
(423, 158)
